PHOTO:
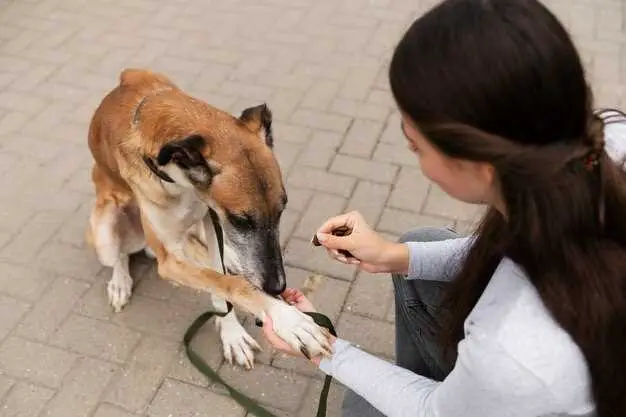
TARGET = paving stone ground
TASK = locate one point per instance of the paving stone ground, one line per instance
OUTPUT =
(321, 66)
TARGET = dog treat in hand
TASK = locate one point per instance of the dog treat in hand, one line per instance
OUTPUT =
(340, 231)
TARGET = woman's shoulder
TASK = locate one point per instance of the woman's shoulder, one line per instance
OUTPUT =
(615, 134)
(511, 314)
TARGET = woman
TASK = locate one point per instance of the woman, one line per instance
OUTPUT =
(527, 317)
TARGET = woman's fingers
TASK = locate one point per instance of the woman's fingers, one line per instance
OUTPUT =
(334, 242)
(334, 223)
(333, 253)
(290, 293)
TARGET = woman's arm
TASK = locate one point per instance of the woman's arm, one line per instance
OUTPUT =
(438, 260)
(485, 382)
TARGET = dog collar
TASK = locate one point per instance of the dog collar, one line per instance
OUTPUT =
(135, 118)
(156, 171)
(219, 233)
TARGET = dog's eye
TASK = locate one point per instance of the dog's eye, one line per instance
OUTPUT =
(241, 221)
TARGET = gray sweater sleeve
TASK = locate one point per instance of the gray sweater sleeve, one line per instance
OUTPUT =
(485, 382)
(438, 260)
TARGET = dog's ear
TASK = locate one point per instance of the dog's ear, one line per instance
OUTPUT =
(186, 155)
(259, 120)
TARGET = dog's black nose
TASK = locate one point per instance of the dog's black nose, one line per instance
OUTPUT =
(274, 287)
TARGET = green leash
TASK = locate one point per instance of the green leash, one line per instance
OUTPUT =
(246, 402)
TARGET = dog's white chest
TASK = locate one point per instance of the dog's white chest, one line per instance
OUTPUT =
(178, 217)
(188, 216)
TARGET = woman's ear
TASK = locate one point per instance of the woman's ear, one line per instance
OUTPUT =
(487, 173)
(488, 176)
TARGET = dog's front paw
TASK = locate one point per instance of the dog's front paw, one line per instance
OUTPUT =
(238, 345)
(300, 331)
(119, 290)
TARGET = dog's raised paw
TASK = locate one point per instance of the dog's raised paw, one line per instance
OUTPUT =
(300, 331)
(237, 344)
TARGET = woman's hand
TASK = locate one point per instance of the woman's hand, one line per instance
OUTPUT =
(297, 299)
(370, 251)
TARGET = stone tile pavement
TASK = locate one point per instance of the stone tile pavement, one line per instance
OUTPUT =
(321, 65)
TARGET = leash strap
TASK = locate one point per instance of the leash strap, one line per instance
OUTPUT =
(245, 401)
(220, 240)
(322, 320)
(248, 403)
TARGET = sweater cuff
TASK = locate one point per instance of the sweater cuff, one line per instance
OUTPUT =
(339, 347)
(415, 265)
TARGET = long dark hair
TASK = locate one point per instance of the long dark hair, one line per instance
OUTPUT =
(500, 81)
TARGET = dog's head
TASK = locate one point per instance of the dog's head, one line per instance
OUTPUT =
(232, 168)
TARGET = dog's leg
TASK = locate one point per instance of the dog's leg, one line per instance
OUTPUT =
(234, 288)
(120, 287)
(238, 345)
(294, 327)
(115, 236)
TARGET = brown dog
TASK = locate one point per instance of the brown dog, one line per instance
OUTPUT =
(162, 159)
